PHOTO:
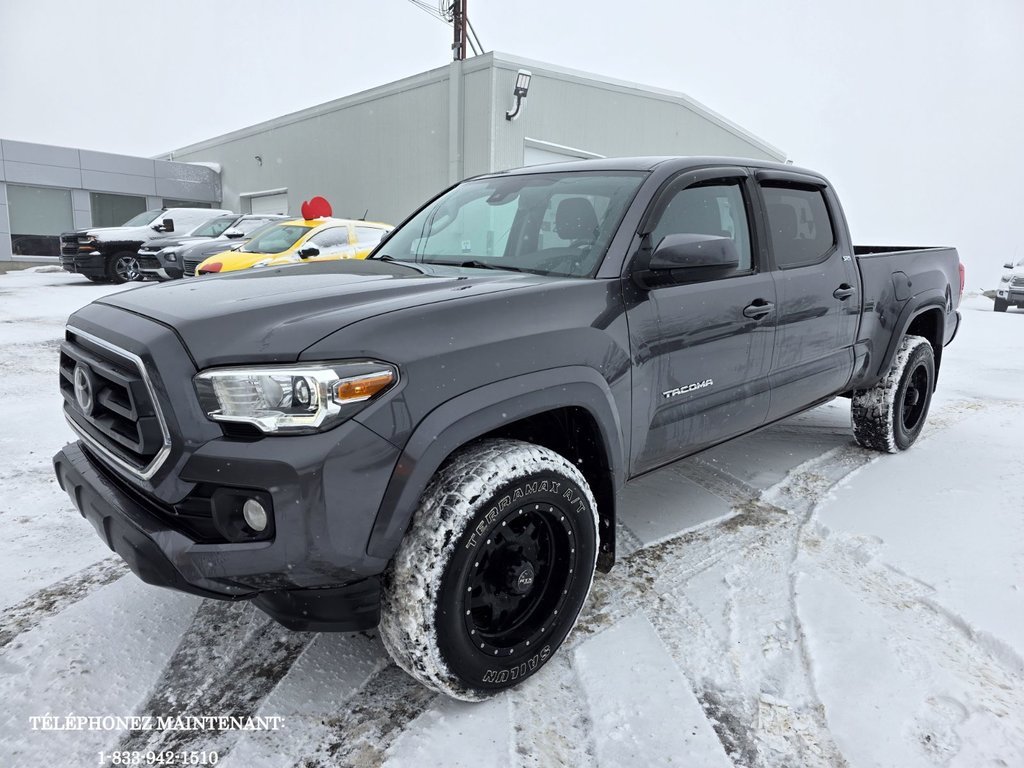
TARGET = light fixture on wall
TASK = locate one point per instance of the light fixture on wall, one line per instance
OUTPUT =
(259, 160)
(522, 87)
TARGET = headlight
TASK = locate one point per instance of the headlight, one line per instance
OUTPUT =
(293, 398)
(171, 254)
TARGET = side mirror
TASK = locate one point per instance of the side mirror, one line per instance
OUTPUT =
(232, 233)
(1008, 265)
(307, 251)
(688, 257)
(168, 225)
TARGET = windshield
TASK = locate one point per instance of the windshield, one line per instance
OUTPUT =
(213, 227)
(142, 219)
(550, 223)
(277, 238)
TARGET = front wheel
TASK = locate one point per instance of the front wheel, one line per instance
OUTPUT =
(1001, 305)
(491, 577)
(123, 267)
(890, 415)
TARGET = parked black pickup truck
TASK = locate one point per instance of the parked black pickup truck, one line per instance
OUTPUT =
(432, 439)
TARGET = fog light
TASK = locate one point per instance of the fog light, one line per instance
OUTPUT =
(255, 515)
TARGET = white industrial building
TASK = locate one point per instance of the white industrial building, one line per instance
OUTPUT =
(379, 153)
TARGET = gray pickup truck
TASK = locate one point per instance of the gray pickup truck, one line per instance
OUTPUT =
(431, 440)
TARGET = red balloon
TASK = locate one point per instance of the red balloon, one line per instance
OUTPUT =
(316, 208)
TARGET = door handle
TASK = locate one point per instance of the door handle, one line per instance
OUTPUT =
(758, 309)
(844, 291)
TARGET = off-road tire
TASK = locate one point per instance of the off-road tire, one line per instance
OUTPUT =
(122, 267)
(1001, 305)
(890, 416)
(499, 511)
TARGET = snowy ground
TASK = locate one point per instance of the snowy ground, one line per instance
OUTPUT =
(785, 600)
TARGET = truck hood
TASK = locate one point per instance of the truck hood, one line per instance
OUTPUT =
(272, 315)
(118, 234)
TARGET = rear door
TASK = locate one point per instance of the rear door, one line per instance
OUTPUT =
(701, 349)
(816, 286)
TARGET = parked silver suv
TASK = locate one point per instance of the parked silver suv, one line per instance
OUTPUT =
(1010, 292)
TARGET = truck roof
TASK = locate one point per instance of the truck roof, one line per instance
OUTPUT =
(649, 163)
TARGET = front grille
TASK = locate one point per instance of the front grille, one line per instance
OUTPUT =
(147, 261)
(109, 400)
(189, 265)
(69, 244)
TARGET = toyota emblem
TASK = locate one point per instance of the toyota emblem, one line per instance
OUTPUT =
(83, 389)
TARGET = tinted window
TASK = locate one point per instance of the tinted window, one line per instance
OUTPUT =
(250, 225)
(330, 238)
(277, 238)
(38, 216)
(801, 230)
(708, 209)
(120, 210)
(213, 227)
(369, 235)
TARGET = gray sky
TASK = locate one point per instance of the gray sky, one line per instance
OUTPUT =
(913, 108)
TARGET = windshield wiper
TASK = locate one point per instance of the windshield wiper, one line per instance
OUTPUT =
(477, 264)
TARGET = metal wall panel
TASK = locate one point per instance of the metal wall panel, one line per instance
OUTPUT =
(42, 175)
(104, 161)
(40, 154)
(180, 189)
(609, 119)
(120, 183)
(81, 208)
(477, 120)
(381, 155)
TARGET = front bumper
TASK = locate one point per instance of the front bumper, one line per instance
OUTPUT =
(90, 264)
(1011, 295)
(151, 265)
(314, 574)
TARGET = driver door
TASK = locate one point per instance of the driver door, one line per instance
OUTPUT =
(701, 347)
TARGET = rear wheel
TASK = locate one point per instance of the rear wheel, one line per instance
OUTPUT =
(492, 575)
(1001, 305)
(890, 415)
(123, 267)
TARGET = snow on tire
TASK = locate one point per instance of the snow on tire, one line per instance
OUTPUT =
(890, 415)
(491, 577)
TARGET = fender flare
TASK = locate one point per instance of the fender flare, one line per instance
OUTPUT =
(477, 412)
(929, 300)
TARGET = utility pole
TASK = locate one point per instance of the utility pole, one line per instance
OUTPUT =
(459, 22)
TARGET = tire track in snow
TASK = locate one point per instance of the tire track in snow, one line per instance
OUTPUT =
(53, 599)
(908, 601)
(549, 727)
(653, 579)
(230, 659)
(374, 717)
(718, 481)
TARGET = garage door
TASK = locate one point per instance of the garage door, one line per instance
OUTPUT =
(277, 203)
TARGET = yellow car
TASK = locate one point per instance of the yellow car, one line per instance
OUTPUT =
(299, 240)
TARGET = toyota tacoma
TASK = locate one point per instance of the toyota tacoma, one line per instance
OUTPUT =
(431, 440)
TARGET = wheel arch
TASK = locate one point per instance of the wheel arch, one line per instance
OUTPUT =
(570, 410)
(923, 317)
